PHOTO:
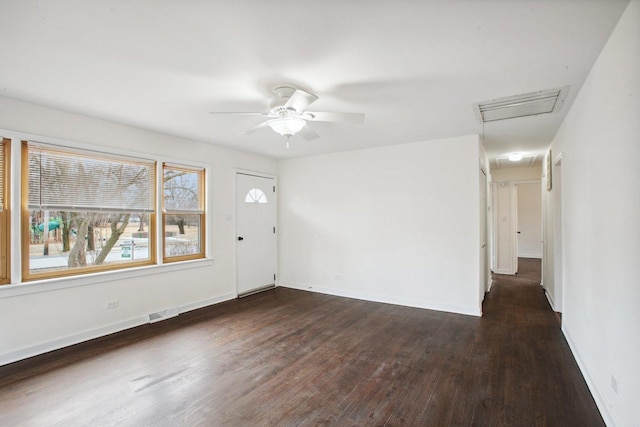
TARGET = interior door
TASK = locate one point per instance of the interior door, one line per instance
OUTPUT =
(255, 233)
(483, 234)
(514, 230)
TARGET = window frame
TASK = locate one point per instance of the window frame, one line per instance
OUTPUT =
(201, 171)
(27, 273)
(5, 214)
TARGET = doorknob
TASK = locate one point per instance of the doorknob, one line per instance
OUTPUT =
(240, 238)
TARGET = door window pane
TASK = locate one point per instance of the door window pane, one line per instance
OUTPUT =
(255, 195)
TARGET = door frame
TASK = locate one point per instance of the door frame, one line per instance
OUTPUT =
(495, 247)
(513, 214)
(236, 172)
(485, 268)
(558, 222)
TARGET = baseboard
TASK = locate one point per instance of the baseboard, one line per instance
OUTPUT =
(207, 302)
(87, 335)
(548, 295)
(382, 299)
(56, 344)
(601, 403)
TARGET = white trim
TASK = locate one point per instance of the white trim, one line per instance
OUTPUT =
(47, 285)
(493, 262)
(513, 211)
(68, 340)
(253, 173)
(550, 299)
(90, 334)
(516, 244)
(382, 299)
(601, 403)
(557, 193)
(207, 302)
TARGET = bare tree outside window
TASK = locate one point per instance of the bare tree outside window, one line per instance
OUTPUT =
(184, 213)
(87, 201)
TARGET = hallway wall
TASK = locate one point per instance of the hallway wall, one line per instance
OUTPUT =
(599, 144)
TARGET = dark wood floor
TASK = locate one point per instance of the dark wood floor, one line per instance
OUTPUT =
(287, 358)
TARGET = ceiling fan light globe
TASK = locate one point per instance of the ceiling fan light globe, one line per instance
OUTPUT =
(287, 125)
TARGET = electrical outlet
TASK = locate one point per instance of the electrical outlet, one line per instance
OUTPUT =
(109, 305)
(337, 277)
(614, 384)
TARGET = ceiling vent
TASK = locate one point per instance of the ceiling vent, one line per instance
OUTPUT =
(528, 104)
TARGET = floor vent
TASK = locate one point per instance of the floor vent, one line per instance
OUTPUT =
(164, 314)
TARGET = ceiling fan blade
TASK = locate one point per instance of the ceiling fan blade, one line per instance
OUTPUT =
(255, 128)
(320, 116)
(308, 133)
(300, 100)
(238, 113)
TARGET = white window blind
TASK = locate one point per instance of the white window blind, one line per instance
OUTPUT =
(183, 190)
(77, 180)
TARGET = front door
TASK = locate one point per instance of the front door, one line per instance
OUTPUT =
(255, 233)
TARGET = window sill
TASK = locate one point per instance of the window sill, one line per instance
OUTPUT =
(47, 285)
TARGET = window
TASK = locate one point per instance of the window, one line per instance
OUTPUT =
(183, 213)
(85, 211)
(255, 195)
(4, 211)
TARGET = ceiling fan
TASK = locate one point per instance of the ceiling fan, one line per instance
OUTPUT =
(290, 116)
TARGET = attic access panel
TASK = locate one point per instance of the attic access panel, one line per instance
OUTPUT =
(528, 104)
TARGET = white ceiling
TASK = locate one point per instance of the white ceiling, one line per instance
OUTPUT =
(413, 67)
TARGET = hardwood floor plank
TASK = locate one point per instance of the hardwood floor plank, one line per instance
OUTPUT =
(292, 358)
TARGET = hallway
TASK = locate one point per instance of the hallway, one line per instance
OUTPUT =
(531, 355)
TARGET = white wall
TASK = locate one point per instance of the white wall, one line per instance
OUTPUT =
(397, 224)
(38, 317)
(516, 174)
(600, 146)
